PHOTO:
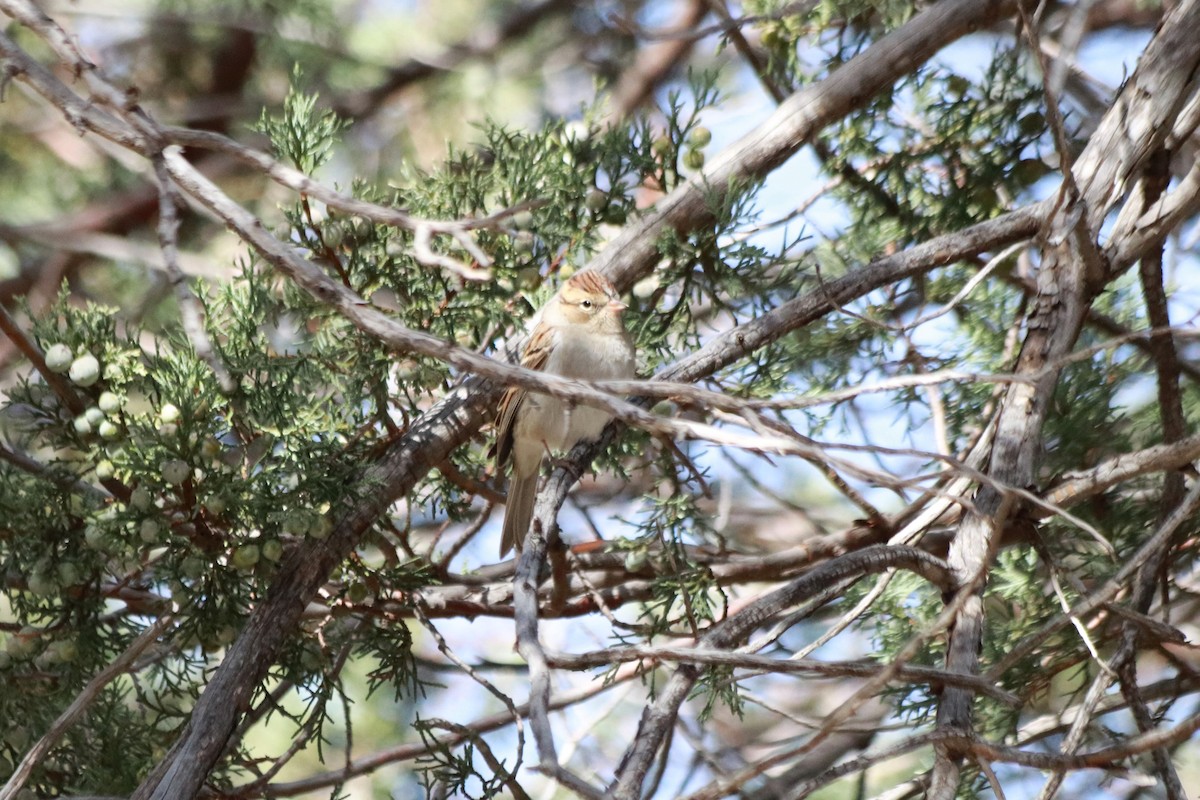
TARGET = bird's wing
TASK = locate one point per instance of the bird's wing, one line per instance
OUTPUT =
(535, 357)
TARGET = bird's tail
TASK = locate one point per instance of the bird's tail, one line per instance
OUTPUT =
(518, 512)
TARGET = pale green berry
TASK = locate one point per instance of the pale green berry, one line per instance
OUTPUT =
(168, 414)
(576, 130)
(21, 646)
(596, 200)
(636, 560)
(175, 471)
(94, 537)
(272, 549)
(699, 137)
(105, 469)
(64, 650)
(94, 415)
(297, 522)
(68, 573)
(321, 528)
(150, 531)
(245, 557)
(192, 567)
(523, 242)
(42, 584)
(85, 370)
(110, 402)
(82, 426)
(108, 430)
(646, 287)
(141, 499)
(693, 159)
(59, 358)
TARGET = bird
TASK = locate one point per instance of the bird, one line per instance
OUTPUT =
(578, 333)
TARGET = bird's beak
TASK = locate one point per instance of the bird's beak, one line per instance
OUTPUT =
(616, 306)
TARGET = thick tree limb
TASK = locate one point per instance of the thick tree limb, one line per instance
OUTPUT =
(1080, 486)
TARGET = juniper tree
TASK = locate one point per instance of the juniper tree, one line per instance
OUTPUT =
(902, 503)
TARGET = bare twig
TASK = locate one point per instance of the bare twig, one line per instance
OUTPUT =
(190, 310)
(34, 467)
(767, 664)
(509, 773)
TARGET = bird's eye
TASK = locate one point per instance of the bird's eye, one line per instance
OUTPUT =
(585, 303)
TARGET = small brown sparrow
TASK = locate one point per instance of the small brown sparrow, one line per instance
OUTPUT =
(577, 334)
